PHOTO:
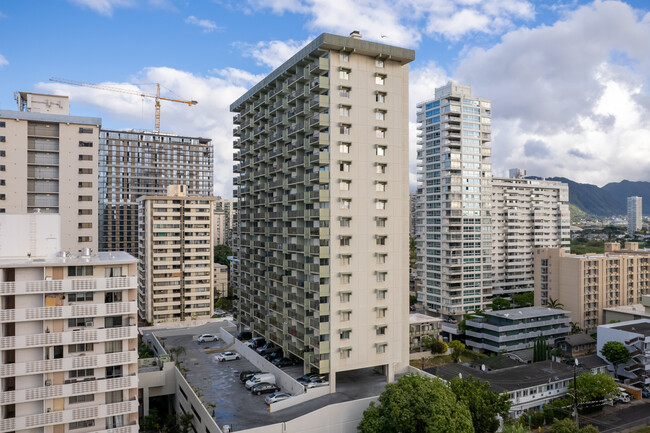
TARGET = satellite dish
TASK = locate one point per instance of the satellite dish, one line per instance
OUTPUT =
(482, 367)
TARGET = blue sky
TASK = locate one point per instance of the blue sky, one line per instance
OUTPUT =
(568, 80)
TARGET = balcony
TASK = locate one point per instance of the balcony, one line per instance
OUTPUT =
(69, 363)
(70, 285)
(319, 84)
(68, 311)
(322, 64)
(68, 416)
(69, 337)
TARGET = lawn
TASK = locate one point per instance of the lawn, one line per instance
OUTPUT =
(437, 360)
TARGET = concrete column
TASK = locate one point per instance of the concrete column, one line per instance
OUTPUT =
(145, 400)
(332, 382)
(390, 372)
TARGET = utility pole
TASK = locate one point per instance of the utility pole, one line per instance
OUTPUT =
(575, 392)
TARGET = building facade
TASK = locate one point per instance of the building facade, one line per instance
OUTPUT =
(68, 334)
(526, 214)
(422, 327)
(634, 214)
(224, 222)
(137, 163)
(322, 189)
(176, 273)
(515, 329)
(635, 335)
(454, 244)
(220, 281)
(587, 284)
(49, 165)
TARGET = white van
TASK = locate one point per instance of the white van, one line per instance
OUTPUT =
(259, 378)
(624, 397)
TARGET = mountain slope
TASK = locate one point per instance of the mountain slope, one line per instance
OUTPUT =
(592, 199)
(624, 189)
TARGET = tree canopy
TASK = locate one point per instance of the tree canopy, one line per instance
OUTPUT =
(616, 353)
(457, 349)
(484, 405)
(568, 426)
(554, 303)
(221, 252)
(416, 404)
(526, 299)
(595, 387)
(499, 303)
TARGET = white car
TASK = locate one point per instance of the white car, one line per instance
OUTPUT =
(227, 356)
(316, 383)
(276, 397)
(206, 338)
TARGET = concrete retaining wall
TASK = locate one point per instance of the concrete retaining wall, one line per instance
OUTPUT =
(298, 399)
(187, 401)
(226, 336)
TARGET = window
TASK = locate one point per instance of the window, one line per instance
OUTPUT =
(344, 166)
(380, 186)
(85, 144)
(113, 322)
(380, 205)
(116, 421)
(346, 278)
(380, 150)
(381, 347)
(381, 276)
(345, 315)
(80, 297)
(345, 241)
(81, 347)
(381, 330)
(380, 133)
(345, 222)
(82, 398)
(379, 63)
(381, 294)
(381, 258)
(344, 92)
(3, 139)
(85, 225)
(3, 168)
(85, 372)
(85, 198)
(345, 352)
(3, 153)
(344, 147)
(381, 222)
(345, 185)
(346, 203)
(85, 239)
(344, 129)
(81, 424)
(381, 311)
(381, 168)
(344, 110)
(3, 182)
(346, 259)
(111, 297)
(2, 124)
(114, 397)
(85, 184)
(344, 74)
(115, 271)
(380, 115)
(380, 79)
(85, 157)
(2, 197)
(113, 371)
(85, 130)
(80, 271)
(113, 346)
(344, 334)
(80, 321)
(345, 57)
(380, 97)
(345, 296)
(85, 171)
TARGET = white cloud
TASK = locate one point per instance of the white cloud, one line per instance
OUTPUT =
(104, 7)
(211, 118)
(207, 25)
(272, 53)
(570, 99)
(3, 61)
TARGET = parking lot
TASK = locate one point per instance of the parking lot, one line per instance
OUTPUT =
(218, 384)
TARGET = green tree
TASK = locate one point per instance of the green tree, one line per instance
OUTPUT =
(594, 387)
(144, 351)
(221, 252)
(589, 429)
(524, 299)
(185, 422)
(436, 346)
(564, 426)
(176, 352)
(499, 303)
(413, 300)
(457, 349)
(412, 251)
(554, 303)
(483, 404)
(575, 328)
(541, 351)
(616, 353)
(417, 404)
(515, 428)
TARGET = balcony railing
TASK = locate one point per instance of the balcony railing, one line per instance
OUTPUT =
(70, 285)
(68, 311)
(69, 337)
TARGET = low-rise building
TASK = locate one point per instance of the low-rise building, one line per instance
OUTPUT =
(635, 335)
(422, 326)
(576, 345)
(625, 313)
(587, 284)
(515, 329)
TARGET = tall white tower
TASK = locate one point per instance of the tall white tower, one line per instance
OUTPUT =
(634, 215)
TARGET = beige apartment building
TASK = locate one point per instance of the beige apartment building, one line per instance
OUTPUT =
(526, 214)
(68, 333)
(587, 284)
(48, 164)
(323, 206)
(176, 273)
(220, 281)
(224, 221)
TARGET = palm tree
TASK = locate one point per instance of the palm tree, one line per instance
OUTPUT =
(575, 328)
(176, 352)
(554, 303)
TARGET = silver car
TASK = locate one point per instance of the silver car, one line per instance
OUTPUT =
(228, 356)
(207, 338)
(276, 397)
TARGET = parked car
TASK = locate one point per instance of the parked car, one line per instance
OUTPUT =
(256, 342)
(219, 312)
(624, 397)
(284, 362)
(247, 374)
(316, 383)
(276, 397)
(412, 308)
(207, 338)
(274, 355)
(244, 336)
(264, 388)
(228, 356)
(308, 377)
(267, 349)
(259, 378)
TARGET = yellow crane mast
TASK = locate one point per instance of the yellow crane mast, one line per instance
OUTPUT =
(156, 97)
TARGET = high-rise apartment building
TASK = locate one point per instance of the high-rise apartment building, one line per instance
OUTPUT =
(48, 164)
(586, 284)
(454, 243)
(176, 256)
(68, 333)
(136, 163)
(322, 189)
(225, 211)
(634, 214)
(526, 214)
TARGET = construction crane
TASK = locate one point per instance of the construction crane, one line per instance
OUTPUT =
(157, 96)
